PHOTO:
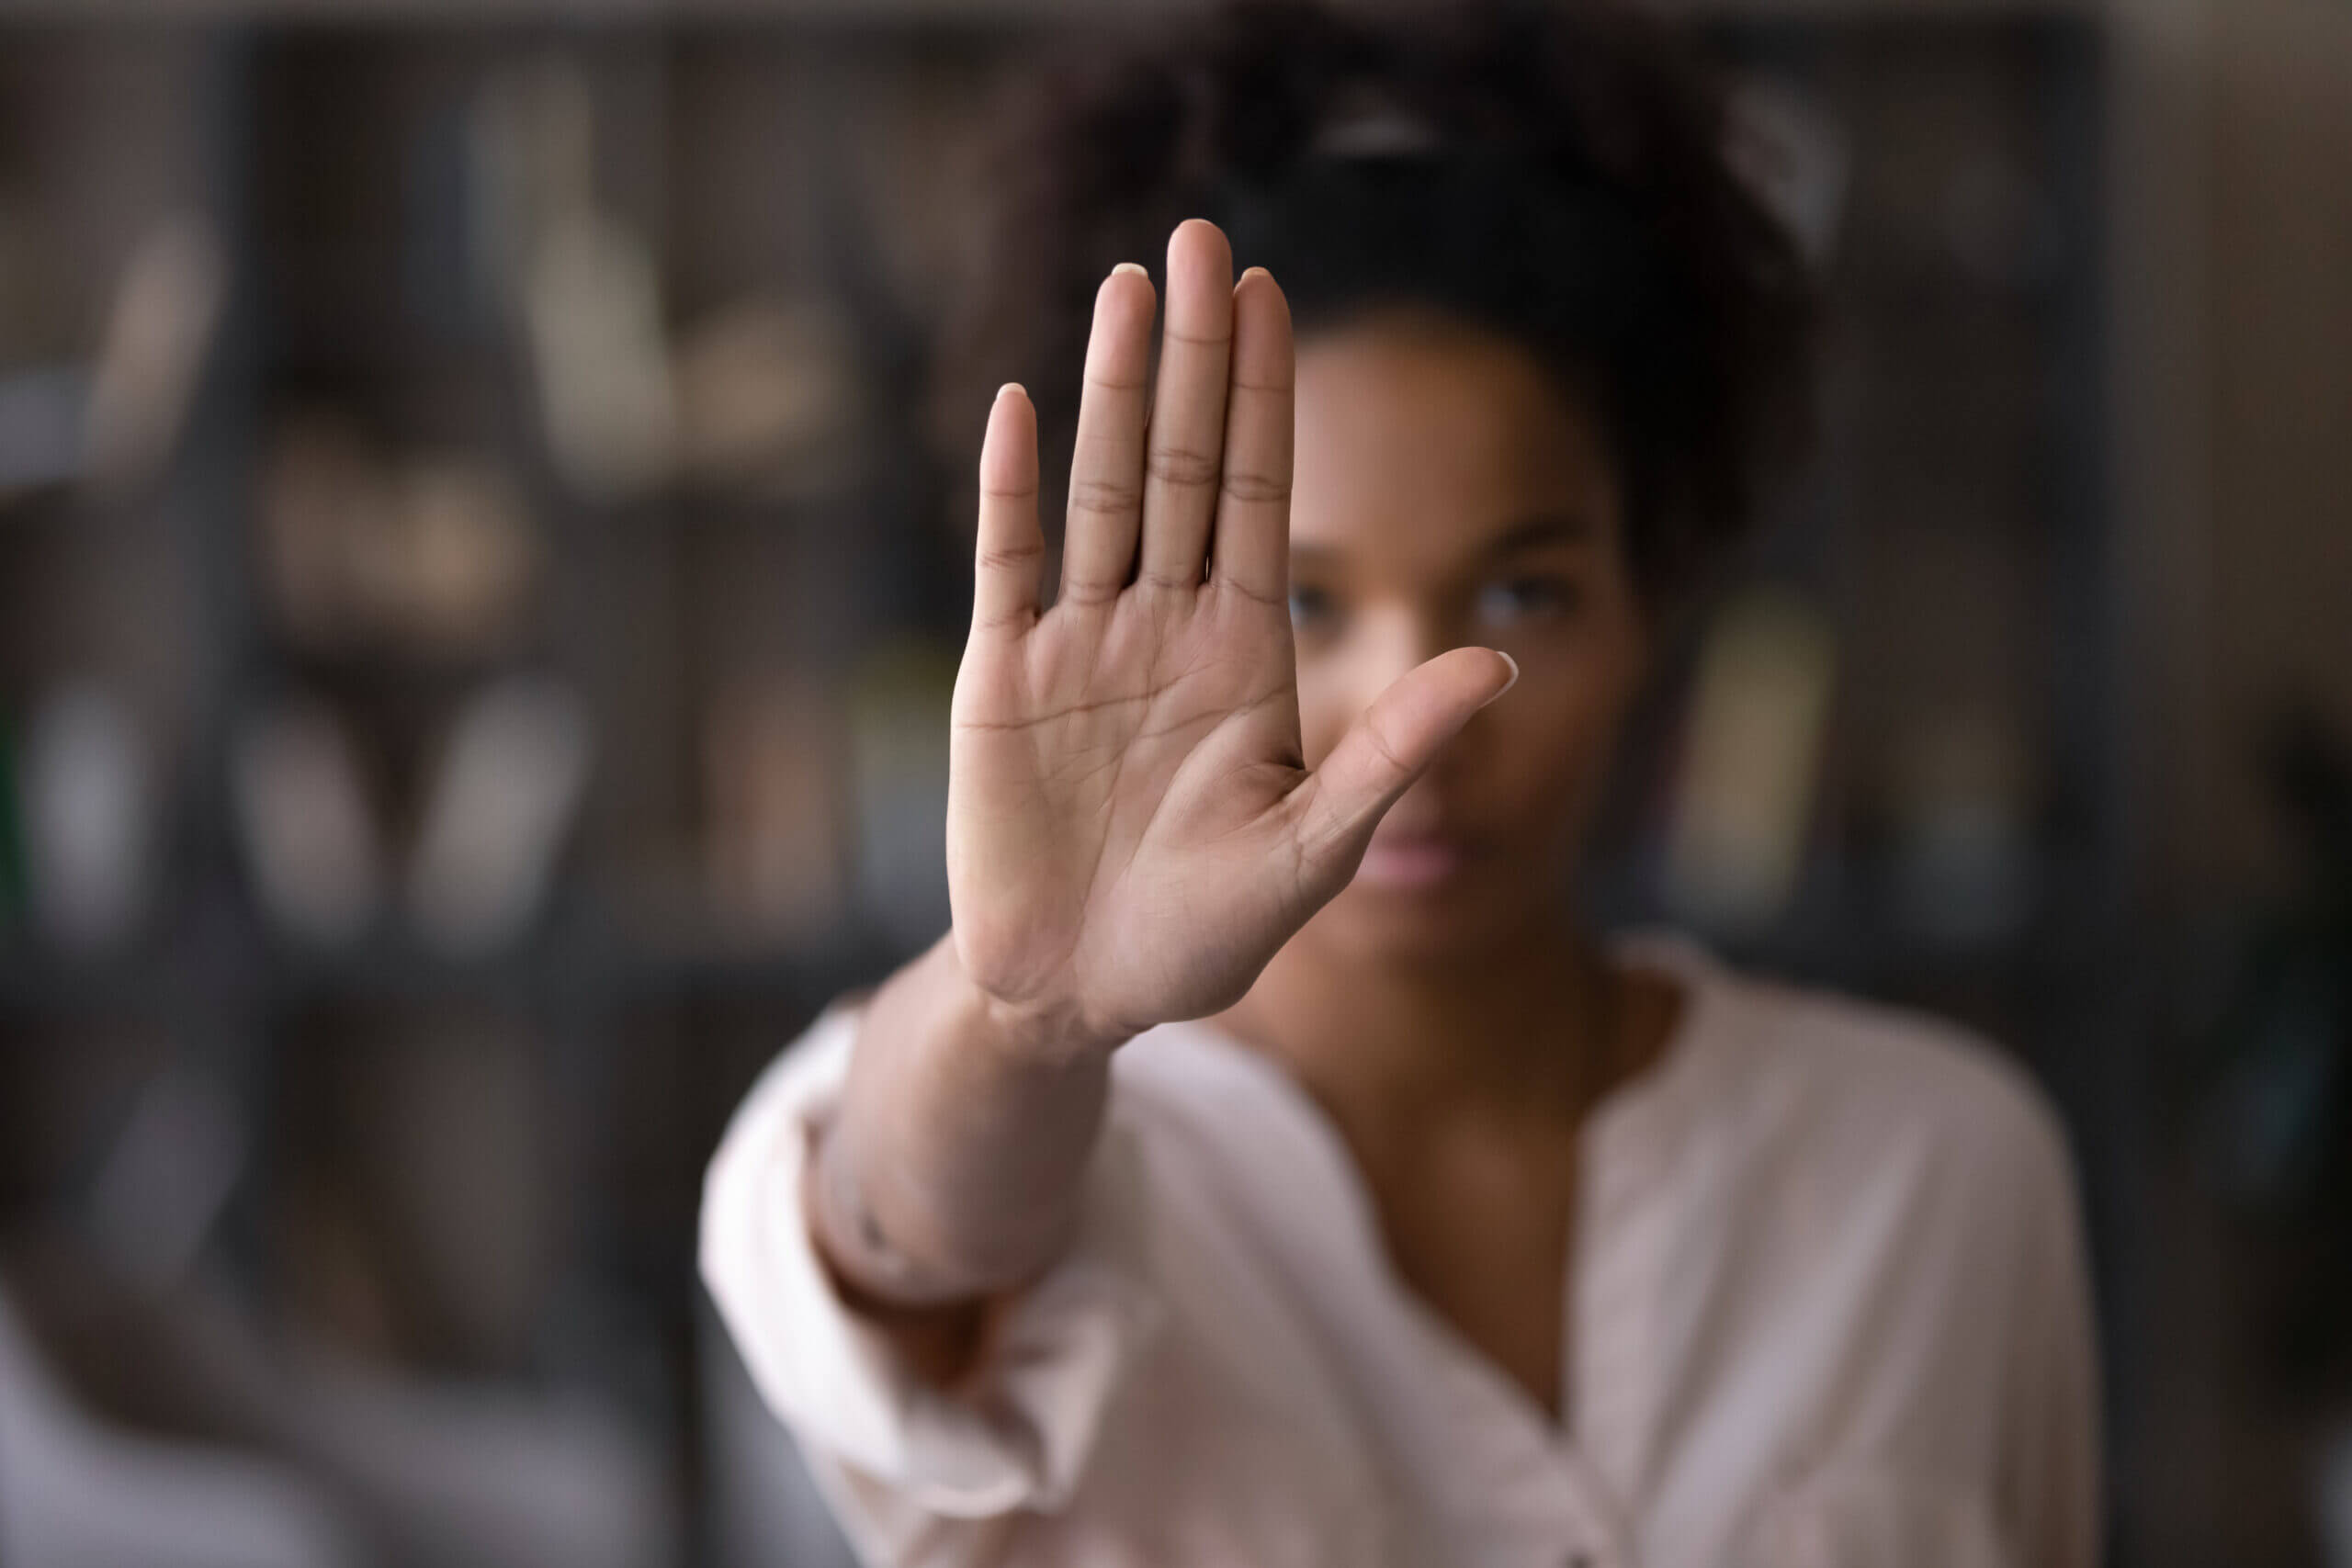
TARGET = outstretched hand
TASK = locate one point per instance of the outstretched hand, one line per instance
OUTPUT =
(1132, 829)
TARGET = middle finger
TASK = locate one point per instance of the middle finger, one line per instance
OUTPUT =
(1184, 449)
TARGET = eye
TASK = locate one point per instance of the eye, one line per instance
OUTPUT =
(1309, 606)
(1513, 599)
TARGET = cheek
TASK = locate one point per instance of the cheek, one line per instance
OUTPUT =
(1543, 751)
(1552, 747)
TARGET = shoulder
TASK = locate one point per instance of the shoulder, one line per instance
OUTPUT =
(1855, 1087)
(1911, 1073)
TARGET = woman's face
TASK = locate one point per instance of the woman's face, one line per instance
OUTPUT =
(1447, 492)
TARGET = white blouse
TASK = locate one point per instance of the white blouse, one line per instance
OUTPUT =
(1828, 1310)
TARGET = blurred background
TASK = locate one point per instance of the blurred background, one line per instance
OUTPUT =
(478, 603)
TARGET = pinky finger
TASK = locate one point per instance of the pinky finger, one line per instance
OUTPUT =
(1011, 547)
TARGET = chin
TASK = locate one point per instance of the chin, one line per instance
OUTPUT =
(1374, 923)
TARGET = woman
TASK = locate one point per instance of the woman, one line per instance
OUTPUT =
(1266, 1168)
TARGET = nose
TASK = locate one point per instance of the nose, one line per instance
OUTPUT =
(1385, 636)
(1396, 636)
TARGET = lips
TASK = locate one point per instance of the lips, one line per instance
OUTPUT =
(1413, 861)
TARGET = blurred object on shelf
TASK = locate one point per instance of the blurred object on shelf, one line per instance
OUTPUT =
(770, 399)
(310, 838)
(592, 307)
(916, 141)
(90, 800)
(326, 519)
(14, 889)
(42, 410)
(471, 556)
(113, 422)
(434, 554)
(167, 1175)
(1751, 757)
(776, 814)
(899, 701)
(587, 283)
(166, 311)
(1795, 155)
(420, 1226)
(503, 799)
(1963, 851)
(528, 151)
(68, 1085)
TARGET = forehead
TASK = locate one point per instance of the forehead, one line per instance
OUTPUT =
(1420, 439)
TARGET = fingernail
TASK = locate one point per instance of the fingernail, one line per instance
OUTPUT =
(1131, 266)
(1011, 387)
(1245, 274)
(1507, 659)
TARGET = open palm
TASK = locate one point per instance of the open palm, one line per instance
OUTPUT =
(1132, 830)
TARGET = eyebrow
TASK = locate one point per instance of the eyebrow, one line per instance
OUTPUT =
(1552, 528)
(1531, 533)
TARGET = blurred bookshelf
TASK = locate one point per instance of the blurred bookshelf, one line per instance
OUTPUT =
(512, 671)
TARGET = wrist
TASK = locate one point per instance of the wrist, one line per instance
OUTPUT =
(1032, 1032)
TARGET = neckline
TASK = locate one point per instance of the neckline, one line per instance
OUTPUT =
(1616, 1116)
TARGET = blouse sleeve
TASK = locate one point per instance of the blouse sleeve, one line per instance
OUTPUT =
(899, 1457)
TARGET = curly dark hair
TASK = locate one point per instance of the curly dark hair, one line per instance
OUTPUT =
(1557, 172)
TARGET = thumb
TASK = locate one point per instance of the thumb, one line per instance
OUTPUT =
(1389, 746)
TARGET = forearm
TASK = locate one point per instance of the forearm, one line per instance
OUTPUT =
(952, 1166)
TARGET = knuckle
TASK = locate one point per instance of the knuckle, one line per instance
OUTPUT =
(1234, 584)
(1256, 489)
(1267, 386)
(1181, 465)
(1086, 593)
(1010, 557)
(1103, 498)
(1376, 735)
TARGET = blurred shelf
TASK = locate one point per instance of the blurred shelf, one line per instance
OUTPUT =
(550, 968)
(49, 988)
(395, 968)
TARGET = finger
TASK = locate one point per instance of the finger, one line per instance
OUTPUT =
(1106, 463)
(1253, 546)
(1187, 435)
(1389, 746)
(1006, 556)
